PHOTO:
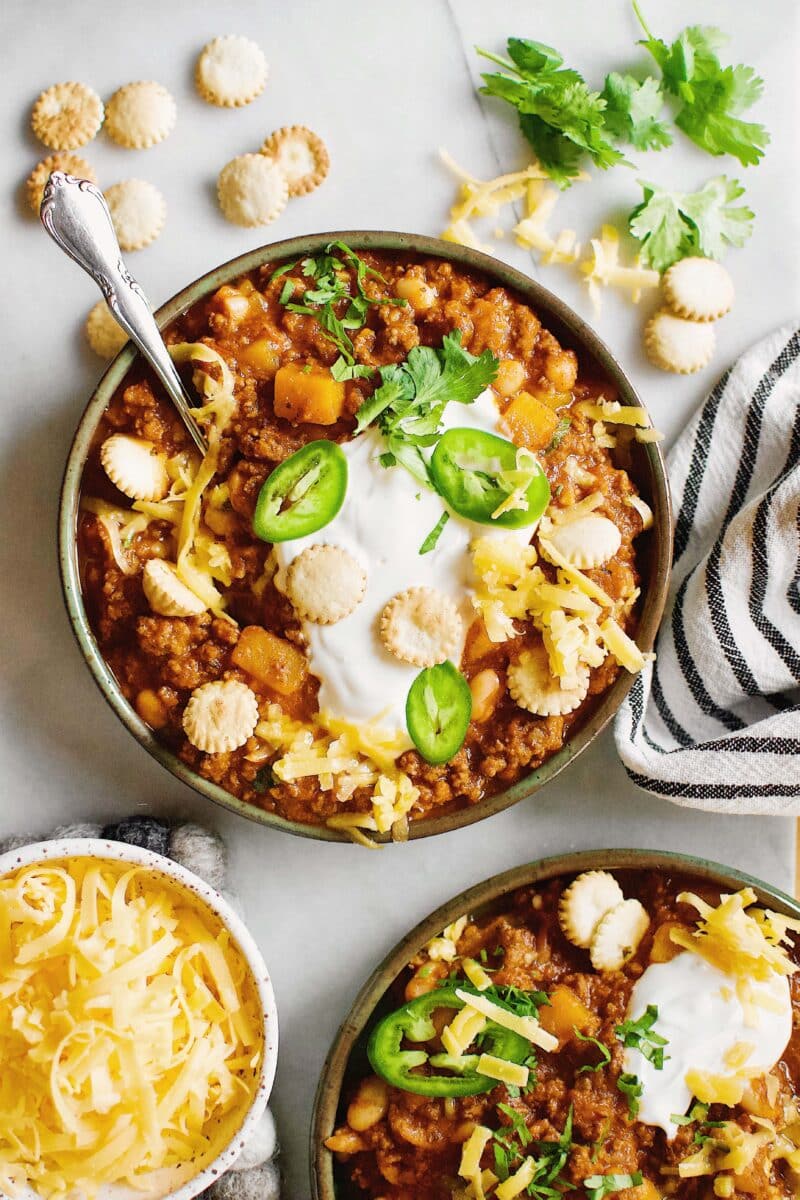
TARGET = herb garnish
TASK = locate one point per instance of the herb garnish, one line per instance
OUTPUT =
(561, 118)
(631, 1087)
(599, 1186)
(633, 111)
(675, 225)
(605, 1053)
(597, 1146)
(331, 289)
(409, 403)
(561, 431)
(434, 535)
(264, 779)
(713, 96)
(639, 1035)
(549, 1162)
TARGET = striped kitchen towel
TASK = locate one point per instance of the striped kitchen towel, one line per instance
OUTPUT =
(714, 722)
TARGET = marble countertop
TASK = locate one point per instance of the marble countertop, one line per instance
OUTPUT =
(385, 85)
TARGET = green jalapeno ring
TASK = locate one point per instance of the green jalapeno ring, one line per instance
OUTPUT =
(303, 493)
(413, 1023)
(438, 711)
(467, 468)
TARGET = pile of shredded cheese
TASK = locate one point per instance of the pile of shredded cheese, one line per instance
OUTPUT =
(577, 619)
(130, 1030)
(342, 756)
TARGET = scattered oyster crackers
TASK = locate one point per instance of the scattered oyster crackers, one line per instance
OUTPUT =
(220, 716)
(325, 584)
(253, 189)
(422, 626)
(696, 291)
(595, 916)
(255, 1174)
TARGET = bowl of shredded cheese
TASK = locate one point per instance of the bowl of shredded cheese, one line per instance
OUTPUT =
(138, 1027)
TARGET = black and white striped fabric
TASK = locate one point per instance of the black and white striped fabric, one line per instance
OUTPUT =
(714, 722)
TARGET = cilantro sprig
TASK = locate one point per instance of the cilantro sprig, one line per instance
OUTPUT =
(675, 225)
(327, 272)
(598, 1186)
(559, 115)
(639, 1035)
(632, 1088)
(605, 1053)
(409, 403)
(550, 1158)
(633, 111)
(712, 97)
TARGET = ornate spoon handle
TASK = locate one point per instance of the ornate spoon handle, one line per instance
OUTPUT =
(75, 215)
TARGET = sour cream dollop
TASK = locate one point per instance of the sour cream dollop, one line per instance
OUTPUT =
(384, 520)
(702, 1019)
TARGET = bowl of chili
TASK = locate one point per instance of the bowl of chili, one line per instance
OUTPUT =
(285, 509)
(412, 1111)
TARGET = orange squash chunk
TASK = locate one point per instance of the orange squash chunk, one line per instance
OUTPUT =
(311, 396)
(270, 659)
(663, 948)
(530, 422)
(565, 1013)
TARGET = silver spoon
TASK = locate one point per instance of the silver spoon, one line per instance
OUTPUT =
(75, 215)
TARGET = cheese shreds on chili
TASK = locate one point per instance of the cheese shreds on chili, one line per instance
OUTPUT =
(527, 1027)
(472, 1150)
(503, 1071)
(130, 1029)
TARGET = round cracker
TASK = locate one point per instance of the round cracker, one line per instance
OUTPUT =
(698, 289)
(532, 686)
(325, 584)
(617, 935)
(252, 190)
(138, 211)
(422, 626)
(220, 716)
(140, 115)
(584, 904)
(67, 115)
(586, 542)
(72, 164)
(135, 467)
(166, 594)
(302, 156)
(103, 333)
(675, 344)
(231, 71)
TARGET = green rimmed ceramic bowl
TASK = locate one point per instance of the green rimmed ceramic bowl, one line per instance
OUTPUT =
(568, 327)
(347, 1060)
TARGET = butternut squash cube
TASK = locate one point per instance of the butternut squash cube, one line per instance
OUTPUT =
(565, 1013)
(311, 396)
(270, 659)
(261, 357)
(663, 948)
(530, 422)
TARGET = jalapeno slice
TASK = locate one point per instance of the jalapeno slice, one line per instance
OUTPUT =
(303, 494)
(438, 709)
(413, 1023)
(479, 473)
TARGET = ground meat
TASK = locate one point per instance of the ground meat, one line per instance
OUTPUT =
(159, 661)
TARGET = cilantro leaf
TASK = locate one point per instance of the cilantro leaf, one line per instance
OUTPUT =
(599, 1186)
(633, 111)
(561, 118)
(265, 778)
(713, 97)
(674, 225)
(605, 1053)
(631, 1087)
(640, 1035)
(434, 535)
(561, 431)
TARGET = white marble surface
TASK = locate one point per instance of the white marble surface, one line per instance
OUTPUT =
(385, 84)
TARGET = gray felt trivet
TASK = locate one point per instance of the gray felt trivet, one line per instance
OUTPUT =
(255, 1175)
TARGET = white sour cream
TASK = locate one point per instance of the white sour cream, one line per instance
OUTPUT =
(384, 520)
(702, 1019)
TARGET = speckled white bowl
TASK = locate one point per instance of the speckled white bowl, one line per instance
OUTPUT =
(100, 848)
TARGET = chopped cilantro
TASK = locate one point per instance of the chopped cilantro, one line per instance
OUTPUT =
(412, 396)
(561, 118)
(633, 111)
(265, 778)
(561, 431)
(605, 1053)
(331, 288)
(342, 370)
(713, 97)
(434, 535)
(550, 1158)
(599, 1186)
(639, 1035)
(630, 1086)
(675, 225)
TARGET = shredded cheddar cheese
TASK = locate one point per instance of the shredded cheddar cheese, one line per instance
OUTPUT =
(502, 1070)
(602, 268)
(130, 1033)
(517, 1183)
(527, 1027)
(472, 1150)
(734, 940)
